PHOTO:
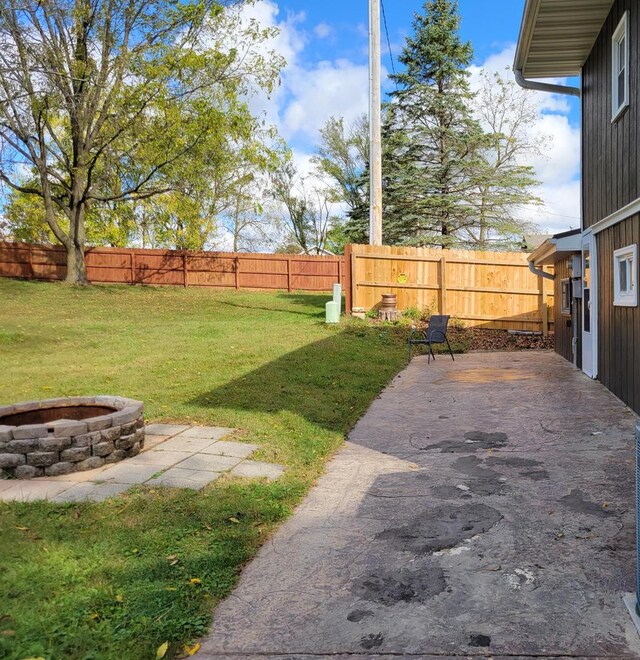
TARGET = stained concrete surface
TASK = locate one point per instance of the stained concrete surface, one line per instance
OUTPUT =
(480, 508)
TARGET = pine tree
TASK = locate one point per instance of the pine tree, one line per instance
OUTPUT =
(431, 161)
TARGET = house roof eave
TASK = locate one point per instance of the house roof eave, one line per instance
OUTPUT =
(556, 36)
(557, 247)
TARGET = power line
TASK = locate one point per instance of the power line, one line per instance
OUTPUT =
(558, 215)
(386, 29)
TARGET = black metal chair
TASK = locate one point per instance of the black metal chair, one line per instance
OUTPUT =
(436, 333)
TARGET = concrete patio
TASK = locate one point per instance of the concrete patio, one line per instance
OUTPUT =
(480, 508)
(175, 456)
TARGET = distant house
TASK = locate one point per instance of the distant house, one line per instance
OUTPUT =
(531, 242)
(596, 267)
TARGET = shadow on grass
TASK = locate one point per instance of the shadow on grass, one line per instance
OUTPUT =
(329, 382)
(308, 299)
(314, 303)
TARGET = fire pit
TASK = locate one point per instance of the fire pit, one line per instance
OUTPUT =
(60, 436)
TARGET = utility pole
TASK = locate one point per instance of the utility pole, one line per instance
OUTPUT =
(375, 130)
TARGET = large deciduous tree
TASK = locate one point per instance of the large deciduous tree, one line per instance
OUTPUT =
(507, 181)
(341, 157)
(107, 100)
(307, 210)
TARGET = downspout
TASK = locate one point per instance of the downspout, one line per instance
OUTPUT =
(540, 273)
(545, 87)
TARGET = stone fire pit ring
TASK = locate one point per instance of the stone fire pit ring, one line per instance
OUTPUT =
(59, 436)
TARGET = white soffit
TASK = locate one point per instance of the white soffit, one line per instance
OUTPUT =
(557, 36)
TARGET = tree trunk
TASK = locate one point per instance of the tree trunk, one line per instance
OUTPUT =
(76, 269)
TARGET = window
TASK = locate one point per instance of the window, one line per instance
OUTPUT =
(565, 290)
(620, 68)
(625, 268)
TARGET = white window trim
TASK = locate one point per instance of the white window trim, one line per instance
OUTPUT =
(619, 105)
(630, 298)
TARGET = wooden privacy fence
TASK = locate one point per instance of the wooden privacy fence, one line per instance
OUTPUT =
(488, 289)
(178, 268)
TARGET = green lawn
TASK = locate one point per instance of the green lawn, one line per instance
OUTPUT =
(102, 580)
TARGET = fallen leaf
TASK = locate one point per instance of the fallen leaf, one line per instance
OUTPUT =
(8, 633)
(119, 598)
(207, 526)
(22, 529)
(605, 505)
(190, 650)
(94, 616)
(162, 650)
(171, 589)
(234, 520)
(195, 581)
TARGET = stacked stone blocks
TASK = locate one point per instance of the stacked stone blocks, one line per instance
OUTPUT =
(65, 445)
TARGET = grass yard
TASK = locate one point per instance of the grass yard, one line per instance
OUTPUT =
(101, 580)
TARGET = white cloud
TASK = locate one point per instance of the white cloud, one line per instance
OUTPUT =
(302, 161)
(323, 30)
(290, 40)
(559, 162)
(562, 207)
(310, 92)
(338, 88)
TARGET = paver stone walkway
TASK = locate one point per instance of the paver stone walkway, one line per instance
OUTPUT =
(178, 456)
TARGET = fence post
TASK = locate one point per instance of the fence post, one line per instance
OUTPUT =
(236, 267)
(185, 281)
(353, 278)
(289, 274)
(347, 279)
(545, 319)
(443, 285)
(133, 267)
(30, 257)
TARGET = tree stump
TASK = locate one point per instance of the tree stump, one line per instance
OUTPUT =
(388, 310)
(388, 314)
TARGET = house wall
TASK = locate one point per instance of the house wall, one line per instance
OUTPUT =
(618, 327)
(563, 323)
(610, 158)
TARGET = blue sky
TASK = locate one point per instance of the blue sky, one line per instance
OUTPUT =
(488, 24)
(325, 44)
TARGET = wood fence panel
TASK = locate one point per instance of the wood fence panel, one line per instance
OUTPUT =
(488, 289)
(178, 268)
